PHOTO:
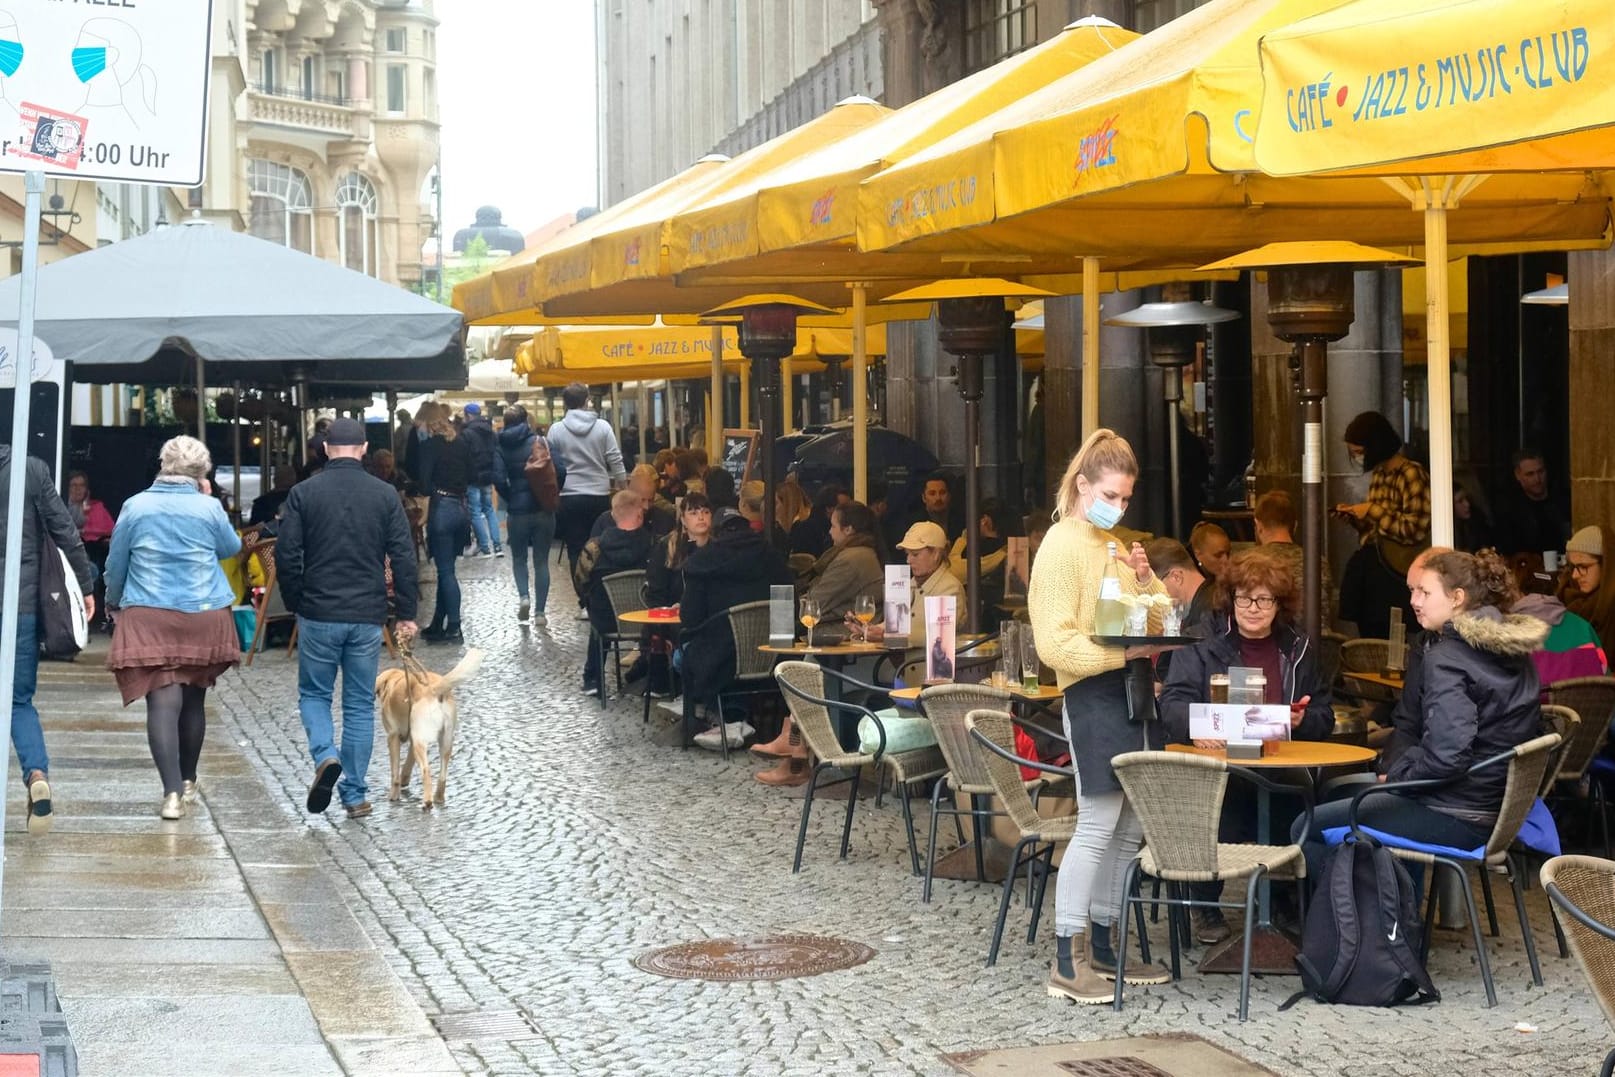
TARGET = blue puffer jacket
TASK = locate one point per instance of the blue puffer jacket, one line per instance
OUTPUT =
(509, 469)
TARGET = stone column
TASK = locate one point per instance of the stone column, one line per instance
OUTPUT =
(1592, 343)
(358, 83)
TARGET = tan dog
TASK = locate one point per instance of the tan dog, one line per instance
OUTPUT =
(417, 707)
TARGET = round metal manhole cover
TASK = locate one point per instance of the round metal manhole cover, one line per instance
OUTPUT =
(772, 957)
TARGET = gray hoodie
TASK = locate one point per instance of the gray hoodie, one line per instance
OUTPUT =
(587, 446)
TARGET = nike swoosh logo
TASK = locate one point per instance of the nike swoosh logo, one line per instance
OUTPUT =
(1393, 931)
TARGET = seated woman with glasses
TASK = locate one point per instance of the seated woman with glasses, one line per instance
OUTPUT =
(1582, 590)
(1254, 618)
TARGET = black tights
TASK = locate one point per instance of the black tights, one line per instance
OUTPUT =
(175, 726)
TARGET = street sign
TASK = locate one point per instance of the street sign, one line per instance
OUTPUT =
(113, 90)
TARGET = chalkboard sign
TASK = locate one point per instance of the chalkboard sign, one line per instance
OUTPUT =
(740, 457)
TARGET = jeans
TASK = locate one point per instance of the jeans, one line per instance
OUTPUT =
(323, 648)
(575, 519)
(533, 531)
(445, 528)
(484, 517)
(1392, 813)
(26, 734)
(1088, 888)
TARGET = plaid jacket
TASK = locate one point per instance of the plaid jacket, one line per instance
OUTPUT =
(1399, 502)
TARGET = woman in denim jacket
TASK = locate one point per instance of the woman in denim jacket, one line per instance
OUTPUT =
(175, 634)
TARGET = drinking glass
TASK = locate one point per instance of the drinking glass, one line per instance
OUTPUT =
(1029, 662)
(1219, 688)
(1009, 653)
(863, 611)
(809, 617)
(1138, 620)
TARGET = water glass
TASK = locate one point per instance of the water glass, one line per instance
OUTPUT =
(1138, 620)
(1030, 667)
(1009, 653)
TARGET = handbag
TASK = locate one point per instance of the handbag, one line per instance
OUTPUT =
(542, 479)
(63, 627)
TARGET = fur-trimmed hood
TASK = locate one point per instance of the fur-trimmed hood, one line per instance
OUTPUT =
(1513, 635)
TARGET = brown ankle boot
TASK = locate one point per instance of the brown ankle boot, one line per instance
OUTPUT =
(787, 745)
(1083, 986)
(788, 772)
(1136, 972)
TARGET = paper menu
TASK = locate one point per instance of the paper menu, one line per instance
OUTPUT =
(940, 638)
(899, 594)
(781, 615)
(1238, 722)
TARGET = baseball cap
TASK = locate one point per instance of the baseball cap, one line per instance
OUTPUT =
(473, 409)
(922, 535)
(345, 432)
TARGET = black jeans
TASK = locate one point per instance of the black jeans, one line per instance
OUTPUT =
(575, 519)
(1391, 813)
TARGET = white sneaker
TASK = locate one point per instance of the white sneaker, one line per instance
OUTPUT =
(499, 551)
(539, 620)
(736, 732)
(582, 615)
(673, 706)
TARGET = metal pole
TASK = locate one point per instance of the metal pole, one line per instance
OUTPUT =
(860, 395)
(715, 409)
(1174, 393)
(22, 384)
(786, 403)
(970, 387)
(1314, 387)
(768, 423)
(201, 402)
(1439, 371)
(746, 378)
(644, 419)
(438, 190)
(235, 438)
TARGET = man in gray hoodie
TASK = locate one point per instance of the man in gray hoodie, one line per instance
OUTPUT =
(586, 449)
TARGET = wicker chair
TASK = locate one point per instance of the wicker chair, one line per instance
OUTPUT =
(804, 686)
(993, 731)
(1583, 888)
(1593, 699)
(1526, 764)
(754, 670)
(1366, 656)
(947, 706)
(625, 591)
(1178, 797)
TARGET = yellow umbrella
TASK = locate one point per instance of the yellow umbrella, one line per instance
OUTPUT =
(1512, 88)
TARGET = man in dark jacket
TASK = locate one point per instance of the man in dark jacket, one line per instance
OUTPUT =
(483, 443)
(622, 547)
(531, 528)
(736, 567)
(340, 530)
(43, 513)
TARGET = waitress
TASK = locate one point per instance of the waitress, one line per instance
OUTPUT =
(1061, 599)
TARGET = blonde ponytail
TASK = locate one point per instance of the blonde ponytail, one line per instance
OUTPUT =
(1103, 451)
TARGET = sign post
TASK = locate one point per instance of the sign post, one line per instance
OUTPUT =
(99, 117)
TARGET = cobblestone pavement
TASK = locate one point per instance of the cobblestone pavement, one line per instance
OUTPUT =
(570, 843)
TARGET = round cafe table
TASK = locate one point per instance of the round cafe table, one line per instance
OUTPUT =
(1272, 951)
(645, 617)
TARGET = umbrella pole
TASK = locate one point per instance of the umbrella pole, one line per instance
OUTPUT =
(715, 412)
(644, 411)
(1314, 352)
(745, 396)
(1090, 346)
(235, 439)
(1439, 372)
(201, 402)
(785, 396)
(860, 394)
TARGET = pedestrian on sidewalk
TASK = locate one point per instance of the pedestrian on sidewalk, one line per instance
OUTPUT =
(44, 513)
(482, 443)
(532, 527)
(586, 447)
(448, 523)
(175, 633)
(342, 528)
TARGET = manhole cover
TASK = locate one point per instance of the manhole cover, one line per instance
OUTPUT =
(485, 1025)
(774, 957)
(1115, 1066)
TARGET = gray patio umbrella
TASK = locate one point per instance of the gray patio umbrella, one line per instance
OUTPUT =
(146, 309)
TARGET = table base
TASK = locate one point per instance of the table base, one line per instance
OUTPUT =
(961, 863)
(1272, 953)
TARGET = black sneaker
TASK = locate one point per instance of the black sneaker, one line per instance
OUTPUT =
(433, 633)
(319, 794)
(523, 612)
(452, 634)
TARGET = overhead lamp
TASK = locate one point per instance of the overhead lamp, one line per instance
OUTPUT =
(1554, 295)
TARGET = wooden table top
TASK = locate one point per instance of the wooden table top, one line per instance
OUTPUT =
(848, 648)
(1375, 678)
(1044, 693)
(1291, 753)
(643, 617)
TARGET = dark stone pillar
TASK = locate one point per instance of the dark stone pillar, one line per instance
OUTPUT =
(919, 53)
(1592, 342)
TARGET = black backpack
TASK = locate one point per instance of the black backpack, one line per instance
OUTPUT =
(1361, 941)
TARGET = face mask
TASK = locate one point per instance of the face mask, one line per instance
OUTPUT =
(1103, 515)
(1357, 460)
(10, 57)
(89, 62)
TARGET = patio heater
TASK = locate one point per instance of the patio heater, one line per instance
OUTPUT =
(1175, 331)
(1310, 303)
(971, 325)
(767, 330)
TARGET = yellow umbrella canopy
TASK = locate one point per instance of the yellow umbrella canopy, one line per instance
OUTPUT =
(1146, 158)
(1456, 86)
(622, 263)
(797, 222)
(622, 353)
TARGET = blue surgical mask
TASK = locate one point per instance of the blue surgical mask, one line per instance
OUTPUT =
(89, 62)
(1103, 515)
(10, 57)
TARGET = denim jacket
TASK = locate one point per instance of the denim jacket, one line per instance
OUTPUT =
(166, 550)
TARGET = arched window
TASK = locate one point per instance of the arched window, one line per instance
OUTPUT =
(356, 225)
(282, 205)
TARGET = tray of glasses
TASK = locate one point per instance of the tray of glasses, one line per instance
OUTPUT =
(1145, 641)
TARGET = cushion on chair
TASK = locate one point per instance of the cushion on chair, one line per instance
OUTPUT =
(1538, 833)
(904, 733)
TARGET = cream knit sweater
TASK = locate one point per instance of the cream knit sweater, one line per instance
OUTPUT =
(1063, 593)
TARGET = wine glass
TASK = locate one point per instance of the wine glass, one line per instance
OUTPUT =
(809, 617)
(863, 610)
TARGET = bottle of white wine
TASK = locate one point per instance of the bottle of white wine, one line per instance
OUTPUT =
(1110, 615)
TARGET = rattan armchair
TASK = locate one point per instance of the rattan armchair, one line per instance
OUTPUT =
(1178, 797)
(1366, 656)
(994, 732)
(1583, 888)
(1526, 764)
(804, 685)
(1593, 700)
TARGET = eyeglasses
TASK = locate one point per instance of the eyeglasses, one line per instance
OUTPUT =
(1261, 602)
(1579, 567)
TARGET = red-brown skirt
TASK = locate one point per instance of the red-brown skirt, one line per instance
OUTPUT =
(153, 648)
